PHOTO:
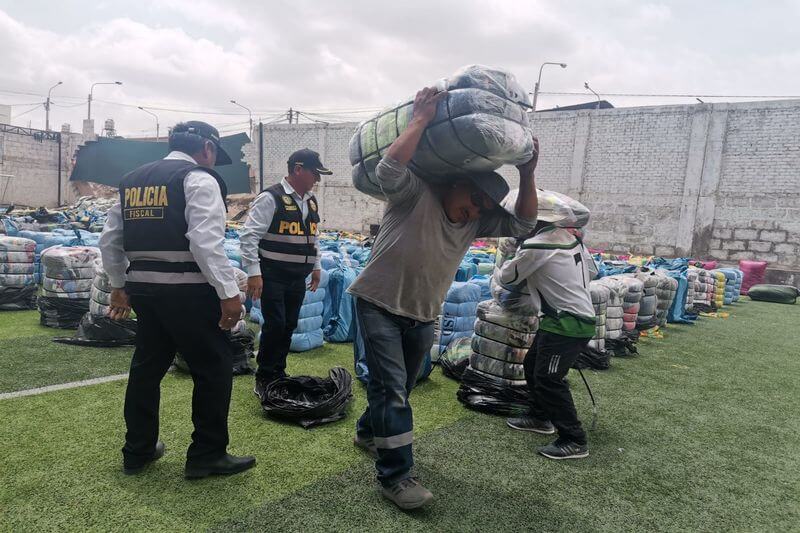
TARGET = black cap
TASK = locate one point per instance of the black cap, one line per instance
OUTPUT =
(308, 159)
(492, 184)
(206, 131)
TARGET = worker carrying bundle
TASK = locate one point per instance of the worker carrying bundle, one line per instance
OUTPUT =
(557, 269)
(480, 125)
(425, 232)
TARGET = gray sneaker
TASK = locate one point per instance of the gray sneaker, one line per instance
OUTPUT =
(408, 494)
(564, 449)
(528, 423)
(368, 445)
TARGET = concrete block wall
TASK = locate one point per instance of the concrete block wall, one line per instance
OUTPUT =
(33, 164)
(715, 181)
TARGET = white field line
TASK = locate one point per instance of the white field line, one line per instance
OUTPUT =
(62, 386)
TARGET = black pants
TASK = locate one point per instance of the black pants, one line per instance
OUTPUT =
(546, 366)
(280, 304)
(189, 324)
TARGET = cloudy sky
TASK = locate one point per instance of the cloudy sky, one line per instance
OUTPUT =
(340, 59)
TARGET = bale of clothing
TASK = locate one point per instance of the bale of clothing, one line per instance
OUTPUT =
(67, 276)
(481, 125)
(18, 290)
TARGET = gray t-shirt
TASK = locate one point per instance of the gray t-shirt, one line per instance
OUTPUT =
(418, 250)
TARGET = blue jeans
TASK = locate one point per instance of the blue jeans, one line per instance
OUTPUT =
(395, 347)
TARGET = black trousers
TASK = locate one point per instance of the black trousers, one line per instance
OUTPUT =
(188, 323)
(280, 304)
(546, 366)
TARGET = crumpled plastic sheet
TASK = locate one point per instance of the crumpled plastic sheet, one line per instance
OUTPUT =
(310, 401)
(489, 394)
(101, 331)
(479, 126)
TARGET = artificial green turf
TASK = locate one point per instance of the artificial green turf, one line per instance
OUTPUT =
(699, 432)
(29, 358)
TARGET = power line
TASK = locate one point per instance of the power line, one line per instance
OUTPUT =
(646, 95)
(37, 106)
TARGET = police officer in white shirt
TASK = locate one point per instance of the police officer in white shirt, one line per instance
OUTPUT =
(279, 251)
(162, 250)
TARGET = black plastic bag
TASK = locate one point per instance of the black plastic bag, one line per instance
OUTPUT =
(243, 345)
(489, 394)
(592, 358)
(310, 401)
(18, 298)
(622, 347)
(101, 331)
(64, 313)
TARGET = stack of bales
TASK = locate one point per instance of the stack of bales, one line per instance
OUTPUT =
(615, 310)
(458, 316)
(308, 333)
(666, 290)
(17, 273)
(600, 296)
(100, 296)
(719, 289)
(646, 318)
(693, 289)
(632, 302)
(67, 275)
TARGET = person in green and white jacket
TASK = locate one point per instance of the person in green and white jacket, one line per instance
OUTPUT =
(557, 269)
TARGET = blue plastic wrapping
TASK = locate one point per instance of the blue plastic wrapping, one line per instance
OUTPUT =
(339, 325)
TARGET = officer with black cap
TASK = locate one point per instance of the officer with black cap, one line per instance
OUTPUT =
(162, 250)
(279, 251)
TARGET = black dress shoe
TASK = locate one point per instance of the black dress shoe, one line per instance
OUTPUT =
(129, 469)
(224, 466)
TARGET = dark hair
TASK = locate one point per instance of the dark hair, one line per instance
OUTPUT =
(290, 166)
(183, 141)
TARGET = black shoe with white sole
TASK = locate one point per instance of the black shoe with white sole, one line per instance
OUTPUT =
(564, 449)
(534, 425)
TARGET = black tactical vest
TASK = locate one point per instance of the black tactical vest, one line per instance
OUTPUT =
(289, 245)
(154, 226)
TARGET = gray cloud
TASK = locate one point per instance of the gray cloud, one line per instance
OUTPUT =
(198, 54)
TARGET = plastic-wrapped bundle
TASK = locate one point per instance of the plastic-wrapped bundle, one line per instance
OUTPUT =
(511, 337)
(514, 298)
(738, 288)
(600, 296)
(17, 273)
(691, 278)
(479, 126)
(558, 209)
(498, 350)
(495, 367)
(782, 294)
(632, 302)
(615, 312)
(340, 326)
(458, 315)
(730, 284)
(719, 289)
(308, 334)
(491, 311)
(665, 294)
(310, 401)
(646, 318)
(65, 296)
(752, 274)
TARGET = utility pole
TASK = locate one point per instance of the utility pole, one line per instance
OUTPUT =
(290, 114)
(249, 112)
(156, 117)
(47, 107)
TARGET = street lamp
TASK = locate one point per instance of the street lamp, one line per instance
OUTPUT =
(249, 112)
(156, 117)
(91, 90)
(586, 86)
(47, 107)
(539, 81)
